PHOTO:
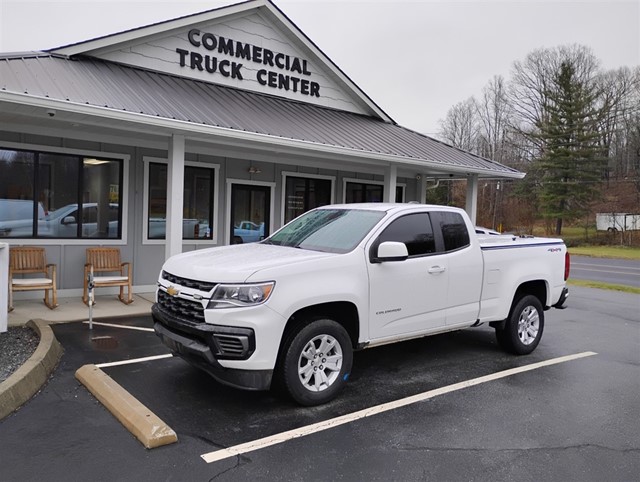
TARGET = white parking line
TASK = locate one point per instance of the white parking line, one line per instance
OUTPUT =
(367, 412)
(133, 360)
(139, 328)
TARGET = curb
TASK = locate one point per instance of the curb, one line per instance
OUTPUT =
(25, 382)
(147, 427)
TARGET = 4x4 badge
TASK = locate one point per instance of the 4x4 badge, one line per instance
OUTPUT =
(172, 291)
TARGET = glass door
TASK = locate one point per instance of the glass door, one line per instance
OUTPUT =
(250, 214)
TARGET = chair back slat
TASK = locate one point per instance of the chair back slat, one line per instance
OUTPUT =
(27, 259)
(104, 259)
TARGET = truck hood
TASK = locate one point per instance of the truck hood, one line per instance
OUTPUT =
(235, 264)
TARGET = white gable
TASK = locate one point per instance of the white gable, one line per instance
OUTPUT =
(247, 50)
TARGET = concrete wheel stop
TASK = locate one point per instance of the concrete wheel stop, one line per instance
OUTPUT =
(147, 427)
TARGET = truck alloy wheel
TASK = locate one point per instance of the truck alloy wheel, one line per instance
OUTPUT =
(317, 362)
(523, 329)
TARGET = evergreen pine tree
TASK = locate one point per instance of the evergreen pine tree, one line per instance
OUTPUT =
(572, 163)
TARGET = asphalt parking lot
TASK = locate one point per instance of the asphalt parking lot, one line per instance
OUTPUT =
(575, 420)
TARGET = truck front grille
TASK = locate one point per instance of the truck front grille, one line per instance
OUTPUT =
(188, 283)
(180, 308)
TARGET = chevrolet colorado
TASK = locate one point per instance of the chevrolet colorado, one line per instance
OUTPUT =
(291, 309)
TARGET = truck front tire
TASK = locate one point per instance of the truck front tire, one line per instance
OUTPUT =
(316, 363)
(523, 328)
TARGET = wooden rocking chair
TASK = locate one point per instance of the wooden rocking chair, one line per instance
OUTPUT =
(26, 260)
(107, 260)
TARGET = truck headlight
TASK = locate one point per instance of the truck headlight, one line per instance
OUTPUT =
(234, 296)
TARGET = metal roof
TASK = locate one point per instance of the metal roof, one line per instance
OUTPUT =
(93, 82)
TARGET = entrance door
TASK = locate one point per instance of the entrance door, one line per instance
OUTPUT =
(250, 214)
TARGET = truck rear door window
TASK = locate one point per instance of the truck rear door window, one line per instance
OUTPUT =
(453, 228)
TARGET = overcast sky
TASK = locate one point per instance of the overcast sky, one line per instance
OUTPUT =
(415, 59)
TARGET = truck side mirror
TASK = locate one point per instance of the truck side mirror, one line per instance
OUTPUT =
(69, 220)
(391, 251)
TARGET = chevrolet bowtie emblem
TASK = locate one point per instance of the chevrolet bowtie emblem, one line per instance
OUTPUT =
(173, 291)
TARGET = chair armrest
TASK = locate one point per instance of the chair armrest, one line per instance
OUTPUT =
(53, 270)
(125, 265)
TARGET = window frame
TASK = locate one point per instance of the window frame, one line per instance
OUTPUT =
(227, 210)
(82, 153)
(346, 180)
(147, 160)
(287, 174)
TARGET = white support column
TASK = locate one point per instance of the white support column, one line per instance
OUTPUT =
(472, 198)
(175, 194)
(423, 189)
(4, 288)
(390, 181)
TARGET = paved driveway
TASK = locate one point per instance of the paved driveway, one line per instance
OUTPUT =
(569, 421)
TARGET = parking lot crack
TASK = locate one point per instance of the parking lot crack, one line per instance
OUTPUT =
(411, 448)
(227, 470)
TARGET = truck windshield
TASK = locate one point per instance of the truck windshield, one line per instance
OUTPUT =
(327, 230)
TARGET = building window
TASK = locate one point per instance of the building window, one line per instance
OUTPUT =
(61, 196)
(362, 192)
(305, 193)
(197, 207)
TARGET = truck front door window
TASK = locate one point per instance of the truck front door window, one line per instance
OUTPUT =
(414, 230)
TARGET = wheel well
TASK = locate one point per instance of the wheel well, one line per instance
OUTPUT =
(342, 312)
(537, 288)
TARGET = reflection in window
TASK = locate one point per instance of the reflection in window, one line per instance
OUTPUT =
(454, 230)
(358, 192)
(250, 207)
(327, 230)
(75, 197)
(303, 194)
(197, 209)
(16, 194)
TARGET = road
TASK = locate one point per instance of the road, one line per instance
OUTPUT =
(575, 420)
(617, 271)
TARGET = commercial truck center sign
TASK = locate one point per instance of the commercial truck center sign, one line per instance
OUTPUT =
(287, 73)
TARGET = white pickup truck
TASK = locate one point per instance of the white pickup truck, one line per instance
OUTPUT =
(289, 310)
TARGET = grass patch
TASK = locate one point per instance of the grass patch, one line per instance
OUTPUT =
(620, 252)
(604, 286)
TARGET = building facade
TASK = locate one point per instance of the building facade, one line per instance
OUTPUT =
(206, 130)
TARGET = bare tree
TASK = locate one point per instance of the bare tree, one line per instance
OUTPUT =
(621, 105)
(531, 84)
(460, 126)
(494, 114)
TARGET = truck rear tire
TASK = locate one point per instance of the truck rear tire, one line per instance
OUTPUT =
(316, 362)
(523, 328)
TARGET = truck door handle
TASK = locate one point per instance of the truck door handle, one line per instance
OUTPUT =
(436, 269)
